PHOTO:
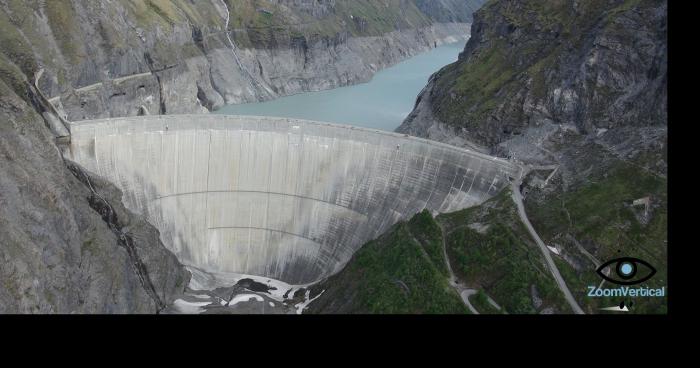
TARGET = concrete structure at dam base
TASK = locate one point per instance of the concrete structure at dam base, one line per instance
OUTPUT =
(286, 199)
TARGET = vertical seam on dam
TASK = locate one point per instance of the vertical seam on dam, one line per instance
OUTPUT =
(206, 197)
(282, 198)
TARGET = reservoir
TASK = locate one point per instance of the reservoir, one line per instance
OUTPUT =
(382, 103)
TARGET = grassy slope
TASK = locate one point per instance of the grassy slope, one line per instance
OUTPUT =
(265, 21)
(599, 215)
(372, 280)
(502, 260)
(501, 263)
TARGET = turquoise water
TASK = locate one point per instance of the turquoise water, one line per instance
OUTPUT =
(382, 103)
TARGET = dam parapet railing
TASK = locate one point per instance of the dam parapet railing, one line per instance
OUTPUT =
(283, 198)
(151, 123)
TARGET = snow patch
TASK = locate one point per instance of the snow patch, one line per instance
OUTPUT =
(245, 298)
(301, 306)
(186, 307)
(204, 280)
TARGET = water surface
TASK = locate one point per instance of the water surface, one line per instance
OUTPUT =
(382, 103)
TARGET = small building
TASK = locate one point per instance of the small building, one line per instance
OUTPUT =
(645, 201)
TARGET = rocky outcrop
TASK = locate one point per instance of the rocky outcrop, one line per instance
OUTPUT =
(67, 243)
(531, 69)
(111, 59)
(306, 65)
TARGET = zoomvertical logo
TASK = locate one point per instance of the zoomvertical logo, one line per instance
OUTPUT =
(628, 270)
(625, 271)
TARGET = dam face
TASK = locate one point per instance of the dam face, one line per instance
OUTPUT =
(280, 198)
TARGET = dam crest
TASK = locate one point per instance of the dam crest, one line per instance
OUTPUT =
(281, 198)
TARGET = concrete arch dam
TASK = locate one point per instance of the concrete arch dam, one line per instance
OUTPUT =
(281, 198)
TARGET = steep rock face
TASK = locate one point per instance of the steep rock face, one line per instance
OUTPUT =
(588, 65)
(67, 244)
(315, 8)
(134, 57)
(313, 65)
(450, 10)
(578, 89)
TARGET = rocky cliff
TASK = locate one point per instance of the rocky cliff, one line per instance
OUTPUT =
(67, 244)
(134, 57)
(450, 11)
(578, 89)
(587, 66)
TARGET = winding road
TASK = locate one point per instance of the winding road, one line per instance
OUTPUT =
(518, 199)
(463, 291)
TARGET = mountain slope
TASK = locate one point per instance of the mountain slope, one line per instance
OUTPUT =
(403, 271)
(131, 57)
(450, 10)
(64, 247)
(591, 65)
(578, 89)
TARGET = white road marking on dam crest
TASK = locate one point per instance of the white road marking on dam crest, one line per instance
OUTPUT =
(281, 198)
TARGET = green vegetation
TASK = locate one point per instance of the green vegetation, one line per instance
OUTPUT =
(258, 23)
(400, 272)
(475, 84)
(480, 301)
(522, 51)
(65, 29)
(166, 13)
(265, 21)
(404, 271)
(15, 47)
(499, 257)
(600, 213)
(164, 9)
(88, 246)
(385, 266)
(626, 6)
(428, 233)
(519, 55)
(23, 42)
(12, 77)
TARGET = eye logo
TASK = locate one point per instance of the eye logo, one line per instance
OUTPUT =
(626, 268)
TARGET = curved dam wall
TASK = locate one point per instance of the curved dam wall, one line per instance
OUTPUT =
(281, 198)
